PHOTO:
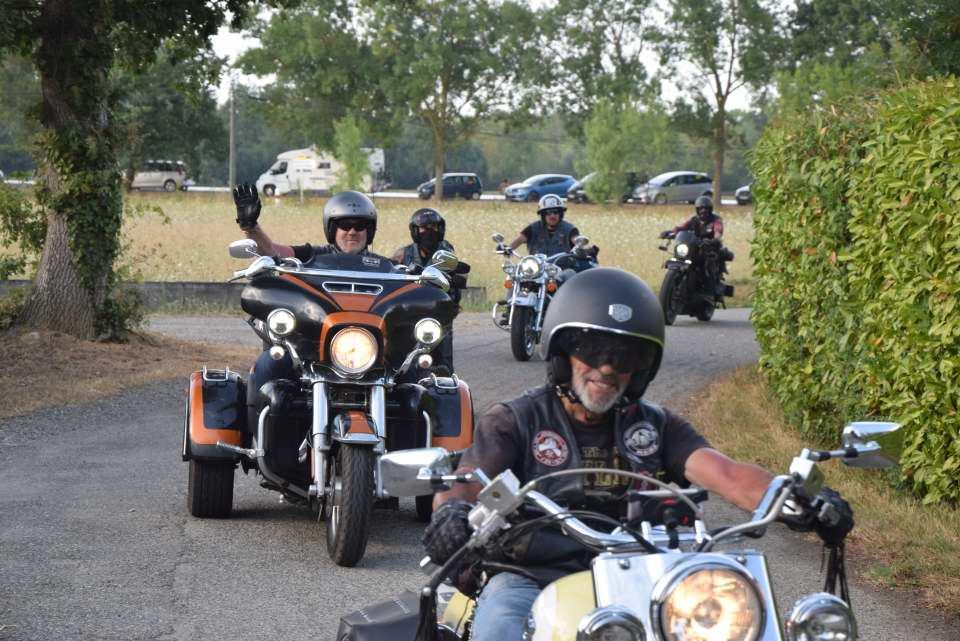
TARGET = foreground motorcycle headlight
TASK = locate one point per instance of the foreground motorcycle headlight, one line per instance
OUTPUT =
(281, 322)
(821, 617)
(682, 250)
(611, 623)
(708, 602)
(508, 269)
(428, 331)
(353, 350)
(529, 267)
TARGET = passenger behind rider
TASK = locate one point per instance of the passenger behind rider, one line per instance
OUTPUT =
(428, 231)
(349, 224)
(603, 340)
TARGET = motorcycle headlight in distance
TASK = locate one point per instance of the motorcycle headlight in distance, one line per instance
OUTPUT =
(821, 617)
(428, 331)
(682, 250)
(353, 350)
(610, 623)
(281, 322)
(530, 267)
(709, 602)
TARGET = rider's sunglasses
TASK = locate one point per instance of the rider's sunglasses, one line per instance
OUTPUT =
(353, 223)
(625, 355)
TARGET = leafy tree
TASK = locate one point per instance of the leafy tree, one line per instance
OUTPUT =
(348, 140)
(730, 44)
(594, 51)
(76, 45)
(446, 63)
(621, 139)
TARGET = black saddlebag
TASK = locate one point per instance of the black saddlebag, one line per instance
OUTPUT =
(393, 620)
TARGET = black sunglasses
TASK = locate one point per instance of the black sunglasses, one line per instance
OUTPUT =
(625, 355)
(354, 224)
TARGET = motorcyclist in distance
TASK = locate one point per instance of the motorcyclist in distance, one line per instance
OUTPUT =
(603, 344)
(708, 226)
(551, 234)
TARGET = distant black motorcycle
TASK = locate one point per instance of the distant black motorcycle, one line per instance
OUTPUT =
(693, 284)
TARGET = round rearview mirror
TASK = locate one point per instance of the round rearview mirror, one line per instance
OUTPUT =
(244, 248)
(581, 241)
(497, 238)
(444, 260)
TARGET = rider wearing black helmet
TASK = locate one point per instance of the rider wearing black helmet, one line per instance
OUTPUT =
(349, 225)
(428, 230)
(603, 339)
(708, 226)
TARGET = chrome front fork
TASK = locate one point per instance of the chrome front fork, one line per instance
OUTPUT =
(321, 438)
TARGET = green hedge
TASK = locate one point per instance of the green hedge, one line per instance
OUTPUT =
(857, 260)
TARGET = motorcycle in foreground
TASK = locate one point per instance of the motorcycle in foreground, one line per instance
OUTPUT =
(532, 281)
(693, 284)
(352, 328)
(647, 582)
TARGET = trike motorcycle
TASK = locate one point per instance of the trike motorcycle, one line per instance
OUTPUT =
(532, 281)
(676, 580)
(353, 328)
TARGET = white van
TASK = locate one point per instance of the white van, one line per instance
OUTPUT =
(312, 171)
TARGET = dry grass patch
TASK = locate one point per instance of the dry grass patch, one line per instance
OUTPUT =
(897, 542)
(49, 369)
(192, 247)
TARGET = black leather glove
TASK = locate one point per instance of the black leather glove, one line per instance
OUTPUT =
(248, 205)
(828, 515)
(665, 234)
(448, 531)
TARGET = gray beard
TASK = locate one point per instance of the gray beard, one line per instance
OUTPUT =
(580, 389)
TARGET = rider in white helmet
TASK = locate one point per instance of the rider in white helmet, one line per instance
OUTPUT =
(551, 234)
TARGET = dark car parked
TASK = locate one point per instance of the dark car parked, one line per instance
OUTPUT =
(534, 187)
(744, 195)
(464, 185)
(578, 191)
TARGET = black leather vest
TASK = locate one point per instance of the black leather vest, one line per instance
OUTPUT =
(546, 242)
(549, 443)
(412, 255)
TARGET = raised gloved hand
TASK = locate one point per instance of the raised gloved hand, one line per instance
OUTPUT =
(248, 205)
(448, 531)
(665, 234)
(828, 515)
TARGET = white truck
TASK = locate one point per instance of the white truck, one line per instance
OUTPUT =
(314, 171)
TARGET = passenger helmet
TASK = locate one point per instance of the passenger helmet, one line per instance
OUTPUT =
(349, 204)
(602, 299)
(426, 216)
(703, 204)
(551, 203)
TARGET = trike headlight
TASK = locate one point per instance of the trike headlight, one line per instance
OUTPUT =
(353, 350)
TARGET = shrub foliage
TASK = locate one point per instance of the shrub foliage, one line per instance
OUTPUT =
(857, 261)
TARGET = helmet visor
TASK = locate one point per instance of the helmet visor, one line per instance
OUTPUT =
(622, 353)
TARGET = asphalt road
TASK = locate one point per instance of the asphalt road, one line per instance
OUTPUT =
(96, 543)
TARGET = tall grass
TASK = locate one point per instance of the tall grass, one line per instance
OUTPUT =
(192, 246)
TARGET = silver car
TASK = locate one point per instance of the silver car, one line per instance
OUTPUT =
(674, 186)
(167, 175)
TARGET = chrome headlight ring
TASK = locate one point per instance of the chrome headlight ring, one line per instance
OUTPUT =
(701, 596)
(281, 322)
(530, 267)
(428, 331)
(353, 350)
(610, 622)
(821, 617)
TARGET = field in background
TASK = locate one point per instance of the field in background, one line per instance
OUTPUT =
(193, 245)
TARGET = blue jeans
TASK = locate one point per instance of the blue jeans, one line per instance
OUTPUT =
(503, 607)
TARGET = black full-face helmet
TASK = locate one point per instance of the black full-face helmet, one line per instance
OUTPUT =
(550, 204)
(704, 207)
(608, 300)
(349, 204)
(427, 216)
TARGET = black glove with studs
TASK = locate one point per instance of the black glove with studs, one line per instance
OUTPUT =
(829, 515)
(248, 205)
(449, 530)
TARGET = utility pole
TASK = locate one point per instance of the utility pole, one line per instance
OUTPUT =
(233, 144)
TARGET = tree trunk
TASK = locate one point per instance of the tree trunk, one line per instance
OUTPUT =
(439, 145)
(81, 187)
(719, 146)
